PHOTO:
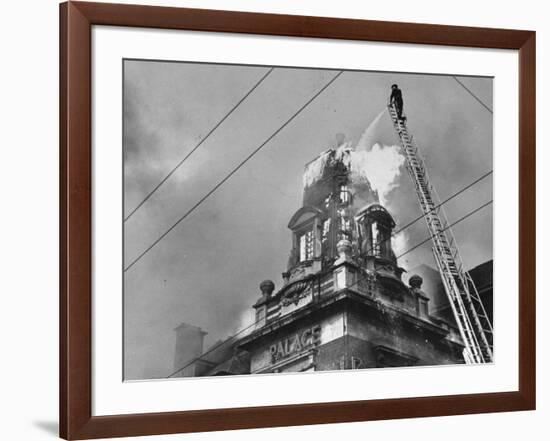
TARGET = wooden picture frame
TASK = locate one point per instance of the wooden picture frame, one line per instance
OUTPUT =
(76, 20)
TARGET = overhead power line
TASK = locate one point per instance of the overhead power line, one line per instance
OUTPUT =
(359, 280)
(463, 218)
(471, 213)
(454, 195)
(213, 348)
(473, 94)
(179, 164)
(243, 162)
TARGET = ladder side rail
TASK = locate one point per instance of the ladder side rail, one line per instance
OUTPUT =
(437, 200)
(450, 276)
(469, 289)
(453, 243)
(427, 200)
(470, 346)
(479, 313)
(432, 215)
(483, 334)
(447, 251)
(437, 235)
(461, 313)
(486, 326)
(481, 306)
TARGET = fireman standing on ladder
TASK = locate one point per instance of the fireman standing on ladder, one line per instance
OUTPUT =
(396, 99)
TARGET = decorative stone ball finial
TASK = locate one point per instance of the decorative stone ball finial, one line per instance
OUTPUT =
(267, 287)
(415, 281)
(344, 247)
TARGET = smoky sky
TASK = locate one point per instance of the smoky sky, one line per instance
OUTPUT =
(207, 270)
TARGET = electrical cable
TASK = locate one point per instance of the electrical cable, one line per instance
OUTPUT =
(243, 162)
(471, 213)
(360, 279)
(219, 123)
(473, 94)
(441, 203)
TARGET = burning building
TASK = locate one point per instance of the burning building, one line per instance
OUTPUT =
(343, 303)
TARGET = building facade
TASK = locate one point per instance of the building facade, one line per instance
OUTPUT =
(343, 303)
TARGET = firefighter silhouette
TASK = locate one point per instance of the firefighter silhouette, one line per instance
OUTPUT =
(396, 99)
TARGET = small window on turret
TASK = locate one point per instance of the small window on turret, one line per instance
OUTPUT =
(306, 246)
(376, 239)
(381, 240)
(344, 194)
(375, 232)
(260, 314)
(326, 229)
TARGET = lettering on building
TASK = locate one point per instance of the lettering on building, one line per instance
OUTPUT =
(295, 343)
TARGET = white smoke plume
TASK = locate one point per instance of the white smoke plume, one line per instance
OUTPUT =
(382, 166)
(378, 157)
(399, 243)
(375, 159)
(314, 170)
(246, 319)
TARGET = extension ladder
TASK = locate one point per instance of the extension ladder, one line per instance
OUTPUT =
(474, 325)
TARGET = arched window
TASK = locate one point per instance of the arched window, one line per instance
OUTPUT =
(306, 243)
(345, 195)
(375, 227)
(308, 232)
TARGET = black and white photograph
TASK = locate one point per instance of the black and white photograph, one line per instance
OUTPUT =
(281, 219)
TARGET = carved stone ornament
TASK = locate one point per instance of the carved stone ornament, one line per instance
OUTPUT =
(295, 293)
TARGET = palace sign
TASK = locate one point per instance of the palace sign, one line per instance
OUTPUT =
(295, 343)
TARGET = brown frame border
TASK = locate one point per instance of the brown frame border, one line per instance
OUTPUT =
(76, 420)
